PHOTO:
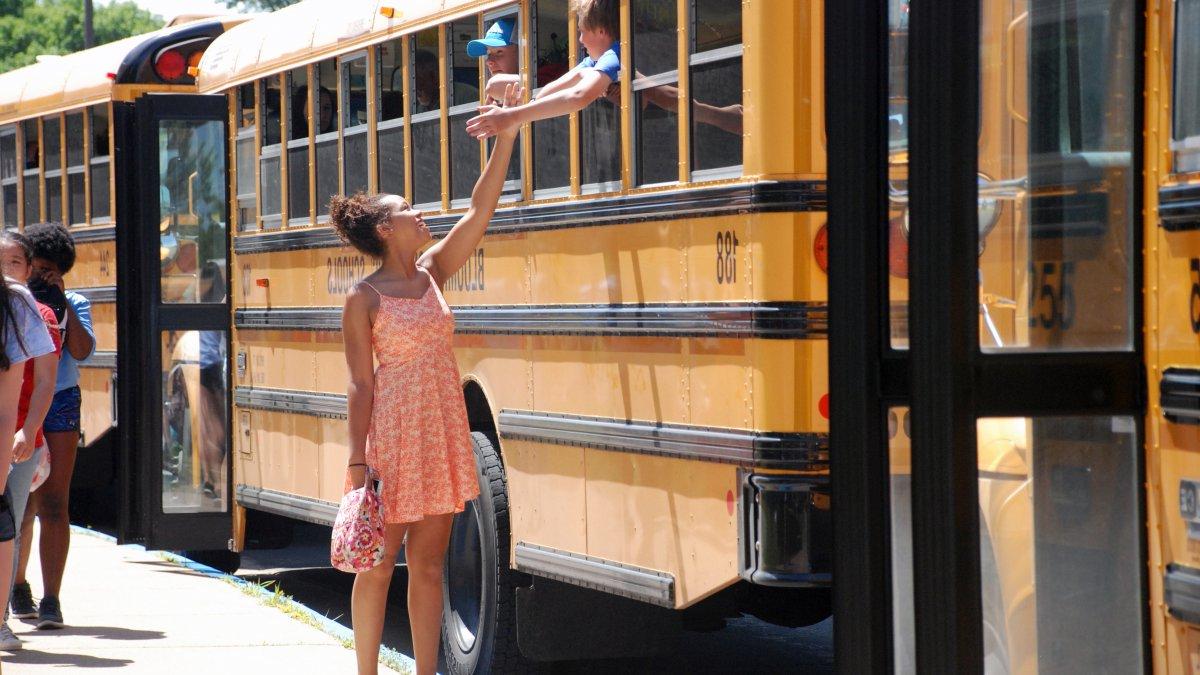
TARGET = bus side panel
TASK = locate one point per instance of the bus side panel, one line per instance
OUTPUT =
(546, 495)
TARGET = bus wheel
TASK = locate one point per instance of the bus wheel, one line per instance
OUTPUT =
(479, 630)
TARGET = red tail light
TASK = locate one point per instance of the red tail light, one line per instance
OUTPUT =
(821, 248)
(170, 65)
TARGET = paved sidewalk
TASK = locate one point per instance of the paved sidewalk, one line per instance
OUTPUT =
(133, 612)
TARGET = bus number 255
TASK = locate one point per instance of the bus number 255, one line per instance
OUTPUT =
(727, 243)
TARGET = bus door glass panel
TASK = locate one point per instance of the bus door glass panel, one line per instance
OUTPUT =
(31, 153)
(98, 162)
(327, 137)
(426, 116)
(898, 173)
(299, 108)
(391, 117)
(354, 121)
(192, 231)
(656, 92)
(462, 90)
(8, 177)
(270, 157)
(551, 146)
(1185, 127)
(715, 65)
(195, 383)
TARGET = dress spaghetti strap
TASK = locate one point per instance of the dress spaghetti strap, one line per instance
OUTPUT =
(366, 283)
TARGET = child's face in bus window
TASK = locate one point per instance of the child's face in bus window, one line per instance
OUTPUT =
(595, 40)
(13, 262)
(501, 60)
(406, 226)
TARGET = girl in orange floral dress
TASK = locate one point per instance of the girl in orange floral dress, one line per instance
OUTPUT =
(407, 418)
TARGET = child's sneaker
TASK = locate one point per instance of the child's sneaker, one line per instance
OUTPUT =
(49, 614)
(8, 641)
(23, 606)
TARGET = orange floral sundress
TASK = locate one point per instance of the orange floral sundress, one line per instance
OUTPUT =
(419, 441)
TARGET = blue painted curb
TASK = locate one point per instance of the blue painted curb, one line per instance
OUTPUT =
(324, 623)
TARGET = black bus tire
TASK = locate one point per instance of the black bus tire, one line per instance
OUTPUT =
(479, 627)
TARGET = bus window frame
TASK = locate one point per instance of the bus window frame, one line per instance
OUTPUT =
(13, 180)
(571, 189)
(289, 143)
(94, 160)
(58, 175)
(427, 116)
(272, 221)
(400, 122)
(344, 63)
(459, 110)
(1185, 152)
(242, 133)
(514, 190)
(718, 55)
(76, 169)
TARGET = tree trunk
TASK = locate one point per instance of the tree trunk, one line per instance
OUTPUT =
(89, 37)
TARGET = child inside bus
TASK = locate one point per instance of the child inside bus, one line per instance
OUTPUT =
(37, 388)
(579, 87)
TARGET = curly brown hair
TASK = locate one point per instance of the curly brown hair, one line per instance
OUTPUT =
(355, 219)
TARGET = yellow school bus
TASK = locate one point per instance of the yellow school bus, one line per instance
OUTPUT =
(59, 131)
(641, 334)
(1172, 230)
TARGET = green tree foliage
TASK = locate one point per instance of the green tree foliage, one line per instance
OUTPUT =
(256, 5)
(32, 27)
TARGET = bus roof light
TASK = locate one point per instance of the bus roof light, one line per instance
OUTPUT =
(389, 12)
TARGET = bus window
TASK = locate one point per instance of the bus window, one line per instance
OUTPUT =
(247, 200)
(76, 212)
(716, 88)
(391, 116)
(655, 86)
(354, 122)
(1185, 132)
(327, 155)
(551, 148)
(8, 177)
(426, 119)
(269, 155)
(32, 157)
(52, 165)
(99, 163)
(463, 90)
(299, 108)
(600, 141)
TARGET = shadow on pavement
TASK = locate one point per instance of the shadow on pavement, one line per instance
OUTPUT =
(102, 632)
(34, 657)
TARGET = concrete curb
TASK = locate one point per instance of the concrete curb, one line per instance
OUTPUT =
(387, 656)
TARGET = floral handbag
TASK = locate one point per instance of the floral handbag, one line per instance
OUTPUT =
(357, 543)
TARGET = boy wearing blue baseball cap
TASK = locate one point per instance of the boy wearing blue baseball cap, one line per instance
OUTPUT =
(499, 50)
(599, 32)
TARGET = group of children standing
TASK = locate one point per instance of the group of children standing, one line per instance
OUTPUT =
(46, 332)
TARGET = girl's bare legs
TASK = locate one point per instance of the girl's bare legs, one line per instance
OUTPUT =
(368, 601)
(426, 557)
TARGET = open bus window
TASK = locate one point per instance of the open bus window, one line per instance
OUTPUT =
(426, 119)
(327, 138)
(551, 146)
(463, 90)
(1185, 130)
(656, 91)
(716, 87)
(99, 163)
(391, 115)
(299, 108)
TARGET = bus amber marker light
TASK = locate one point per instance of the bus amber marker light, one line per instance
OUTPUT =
(389, 12)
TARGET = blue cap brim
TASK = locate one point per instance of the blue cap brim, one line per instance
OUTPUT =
(478, 48)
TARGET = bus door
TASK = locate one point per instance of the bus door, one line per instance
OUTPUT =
(173, 291)
(987, 404)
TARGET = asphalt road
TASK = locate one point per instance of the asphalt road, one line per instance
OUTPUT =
(744, 645)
